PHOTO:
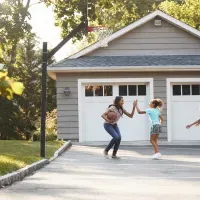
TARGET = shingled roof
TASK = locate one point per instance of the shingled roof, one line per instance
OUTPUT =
(114, 61)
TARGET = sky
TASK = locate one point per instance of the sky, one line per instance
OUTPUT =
(42, 22)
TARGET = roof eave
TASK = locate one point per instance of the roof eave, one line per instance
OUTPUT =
(53, 70)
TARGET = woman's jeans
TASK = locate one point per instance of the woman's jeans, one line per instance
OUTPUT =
(114, 131)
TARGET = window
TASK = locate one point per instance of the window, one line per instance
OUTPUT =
(123, 90)
(141, 90)
(176, 90)
(185, 89)
(132, 90)
(99, 91)
(108, 90)
(195, 89)
(89, 91)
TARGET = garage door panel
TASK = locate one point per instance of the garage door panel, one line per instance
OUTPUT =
(93, 129)
(185, 107)
(135, 128)
(93, 106)
(183, 114)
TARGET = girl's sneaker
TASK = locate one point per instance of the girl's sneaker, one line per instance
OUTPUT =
(105, 153)
(157, 156)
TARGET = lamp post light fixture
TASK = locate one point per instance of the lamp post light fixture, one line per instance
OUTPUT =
(67, 91)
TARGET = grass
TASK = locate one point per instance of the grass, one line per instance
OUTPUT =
(15, 154)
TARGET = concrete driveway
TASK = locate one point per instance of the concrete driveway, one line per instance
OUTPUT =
(83, 173)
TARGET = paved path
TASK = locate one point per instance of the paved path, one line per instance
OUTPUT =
(83, 174)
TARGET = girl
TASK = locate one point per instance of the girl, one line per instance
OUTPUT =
(111, 125)
(156, 120)
(194, 123)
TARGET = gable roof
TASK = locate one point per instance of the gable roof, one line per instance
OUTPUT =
(136, 24)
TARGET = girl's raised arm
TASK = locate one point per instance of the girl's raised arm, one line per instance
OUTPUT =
(139, 111)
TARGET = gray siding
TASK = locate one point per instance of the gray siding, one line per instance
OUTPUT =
(151, 40)
(68, 125)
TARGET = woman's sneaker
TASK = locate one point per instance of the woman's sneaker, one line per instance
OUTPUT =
(115, 157)
(157, 156)
(105, 153)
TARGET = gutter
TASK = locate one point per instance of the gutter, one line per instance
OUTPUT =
(178, 68)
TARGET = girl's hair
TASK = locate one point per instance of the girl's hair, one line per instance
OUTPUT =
(116, 104)
(160, 103)
(157, 103)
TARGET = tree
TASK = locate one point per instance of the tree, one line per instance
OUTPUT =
(187, 11)
(8, 86)
(27, 70)
(114, 14)
(13, 27)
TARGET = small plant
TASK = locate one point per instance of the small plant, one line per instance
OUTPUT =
(51, 127)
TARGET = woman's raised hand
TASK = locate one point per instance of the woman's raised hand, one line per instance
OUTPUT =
(135, 103)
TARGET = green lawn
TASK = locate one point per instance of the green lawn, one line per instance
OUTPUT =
(15, 154)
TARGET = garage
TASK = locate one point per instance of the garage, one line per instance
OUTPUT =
(95, 98)
(184, 109)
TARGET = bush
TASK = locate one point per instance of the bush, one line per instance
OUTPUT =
(49, 136)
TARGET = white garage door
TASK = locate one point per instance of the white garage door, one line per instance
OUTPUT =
(95, 101)
(185, 109)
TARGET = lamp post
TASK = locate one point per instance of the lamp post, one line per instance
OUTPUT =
(43, 114)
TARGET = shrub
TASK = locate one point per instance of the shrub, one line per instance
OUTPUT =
(49, 136)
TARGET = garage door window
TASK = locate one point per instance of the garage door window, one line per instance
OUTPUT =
(195, 89)
(89, 91)
(108, 90)
(132, 90)
(98, 90)
(186, 90)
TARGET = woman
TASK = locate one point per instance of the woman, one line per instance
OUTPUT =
(111, 125)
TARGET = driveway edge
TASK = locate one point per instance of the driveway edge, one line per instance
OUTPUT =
(20, 174)
(61, 150)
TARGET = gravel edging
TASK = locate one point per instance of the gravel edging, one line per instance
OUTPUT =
(20, 174)
(61, 150)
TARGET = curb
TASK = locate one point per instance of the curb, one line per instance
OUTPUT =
(61, 150)
(20, 174)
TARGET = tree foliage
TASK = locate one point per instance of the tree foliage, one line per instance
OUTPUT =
(114, 14)
(14, 26)
(8, 86)
(20, 53)
(187, 11)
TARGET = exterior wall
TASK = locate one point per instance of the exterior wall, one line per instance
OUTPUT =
(151, 40)
(68, 124)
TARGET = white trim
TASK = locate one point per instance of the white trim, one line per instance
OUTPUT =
(110, 80)
(169, 117)
(135, 25)
(80, 109)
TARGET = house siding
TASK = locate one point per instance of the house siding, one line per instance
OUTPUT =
(68, 120)
(151, 40)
